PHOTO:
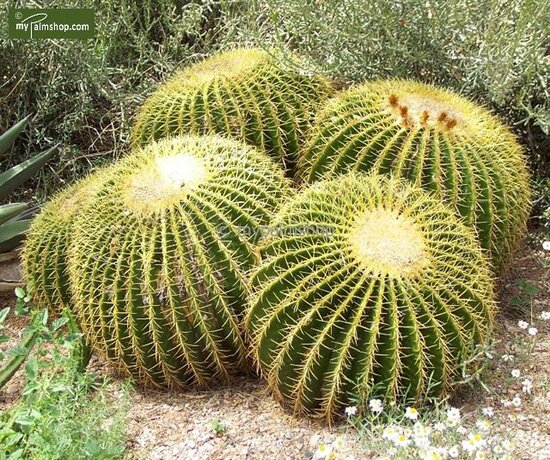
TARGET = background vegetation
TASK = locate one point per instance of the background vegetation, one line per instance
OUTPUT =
(83, 94)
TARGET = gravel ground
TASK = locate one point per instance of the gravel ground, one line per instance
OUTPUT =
(251, 425)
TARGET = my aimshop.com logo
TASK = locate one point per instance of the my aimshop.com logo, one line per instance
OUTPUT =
(32, 23)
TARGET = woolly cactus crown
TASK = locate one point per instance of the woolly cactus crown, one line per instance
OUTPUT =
(374, 288)
(159, 255)
(436, 139)
(251, 95)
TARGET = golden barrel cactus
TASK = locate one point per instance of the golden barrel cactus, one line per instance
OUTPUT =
(252, 95)
(158, 258)
(368, 287)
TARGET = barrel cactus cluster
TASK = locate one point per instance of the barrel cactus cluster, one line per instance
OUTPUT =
(368, 273)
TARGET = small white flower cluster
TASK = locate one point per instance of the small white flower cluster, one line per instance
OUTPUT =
(546, 245)
(407, 436)
(329, 451)
(531, 330)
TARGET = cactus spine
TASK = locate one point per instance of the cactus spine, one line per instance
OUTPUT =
(436, 139)
(373, 289)
(158, 257)
(248, 94)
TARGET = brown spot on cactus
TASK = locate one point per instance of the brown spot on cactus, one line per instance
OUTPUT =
(393, 100)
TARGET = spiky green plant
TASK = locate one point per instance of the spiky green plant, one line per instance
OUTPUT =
(44, 256)
(14, 221)
(158, 257)
(371, 287)
(436, 139)
(249, 94)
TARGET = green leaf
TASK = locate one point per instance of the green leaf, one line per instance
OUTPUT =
(17, 350)
(58, 323)
(20, 292)
(12, 233)
(12, 440)
(17, 454)
(31, 387)
(21, 308)
(43, 317)
(528, 288)
(517, 301)
(11, 210)
(7, 139)
(14, 177)
(31, 368)
(24, 420)
(92, 448)
(4, 314)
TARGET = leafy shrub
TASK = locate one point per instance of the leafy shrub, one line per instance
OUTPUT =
(64, 413)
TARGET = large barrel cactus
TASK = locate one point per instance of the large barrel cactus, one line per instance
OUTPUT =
(44, 257)
(370, 287)
(249, 94)
(436, 139)
(158, 257)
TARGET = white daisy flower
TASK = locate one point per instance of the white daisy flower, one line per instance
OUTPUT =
(527, 385)
(453, 452)
(402, 441)
(376, 406)
(453, 415)
(411, 413)
(350, 411)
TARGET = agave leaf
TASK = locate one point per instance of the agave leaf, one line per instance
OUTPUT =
(6, 139)
(12, 233)
(12, 178)
(9, 211)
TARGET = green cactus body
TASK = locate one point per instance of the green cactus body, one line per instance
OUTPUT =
(248, 94)
(436, 139)
(158, 257)
(44, 256)
(373, 288)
